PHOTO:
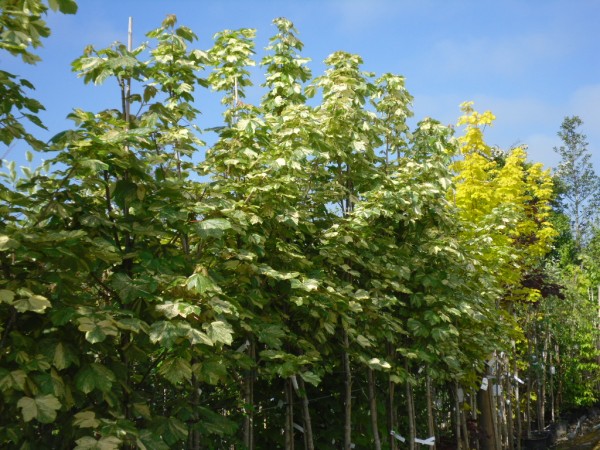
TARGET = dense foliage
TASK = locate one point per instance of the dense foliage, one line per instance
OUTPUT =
(319, 266)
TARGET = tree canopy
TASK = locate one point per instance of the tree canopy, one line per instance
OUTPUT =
(326, 261)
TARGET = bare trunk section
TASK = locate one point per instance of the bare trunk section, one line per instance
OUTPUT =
(542, 386)
(249, 399)
(300, 388)
(430, 420)
(410, 406)
(510, 424)
(457, 419)
(487, 438)
(464, 427)
(390, 403)
(347, 392)
(373, 409)
(194, 433)
(391, 416)
(289, 415)
(518, 407)
(529, 387)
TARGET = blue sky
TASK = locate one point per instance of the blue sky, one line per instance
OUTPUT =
(531, 62)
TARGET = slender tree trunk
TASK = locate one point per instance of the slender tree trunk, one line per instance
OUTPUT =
(410, 406)
(289, 415)
(430, 420)
(475, 415)
(457, 411)
(487, 440)
(463, 419)
(249, 399)
(194, 434)
(542, 396)
(347, 392)
(390, 403)
(503, 410)
(529, 376)
(494, 414)
(518, 413)
(559, 388)
(373, 409)
(510, 425)
(552, 371)
(300, 389)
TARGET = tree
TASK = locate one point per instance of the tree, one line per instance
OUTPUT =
(22, 29)
(315, 260)
(580, 185)
(504, 205)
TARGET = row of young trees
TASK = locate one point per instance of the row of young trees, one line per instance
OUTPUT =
(327, 276)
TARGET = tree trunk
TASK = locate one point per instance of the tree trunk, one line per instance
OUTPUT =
(249, 399)
(390, 404)
(373, 409)
(430, 421)
(347, 392)
(518, 408)
(475, 416)
(559, 388)
(487, 439)
(289, 416)
(412, 433)
(194, 433)
(463, 420)
(542, 396)
(300, 388)
(529, 375)
(457, 426)
(510, 426)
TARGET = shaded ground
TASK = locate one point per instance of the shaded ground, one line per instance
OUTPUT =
(582, 434)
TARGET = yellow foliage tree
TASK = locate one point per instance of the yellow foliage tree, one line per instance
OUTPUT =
(504, 204)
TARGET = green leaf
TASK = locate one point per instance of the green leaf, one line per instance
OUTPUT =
(376, 363)
(219, 331)
(214, 423)
(42, 408)
(311, 377)
(165, 332)
(271, 335)
(7, 243)
(305, 285)
(363, 341)
(150, 441)
(12, 380)
(176, 370)
(96, 331)
(170, 429)
(198, 337)
(211, 371)
(125, 286)
(212, 227)
(201, 283)
(104, 443)
(64, 356)
(6, 296)
(93, 164)
(86, 419)
(34, 303)
(64, 6)
(94, 376)
(124, 192)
